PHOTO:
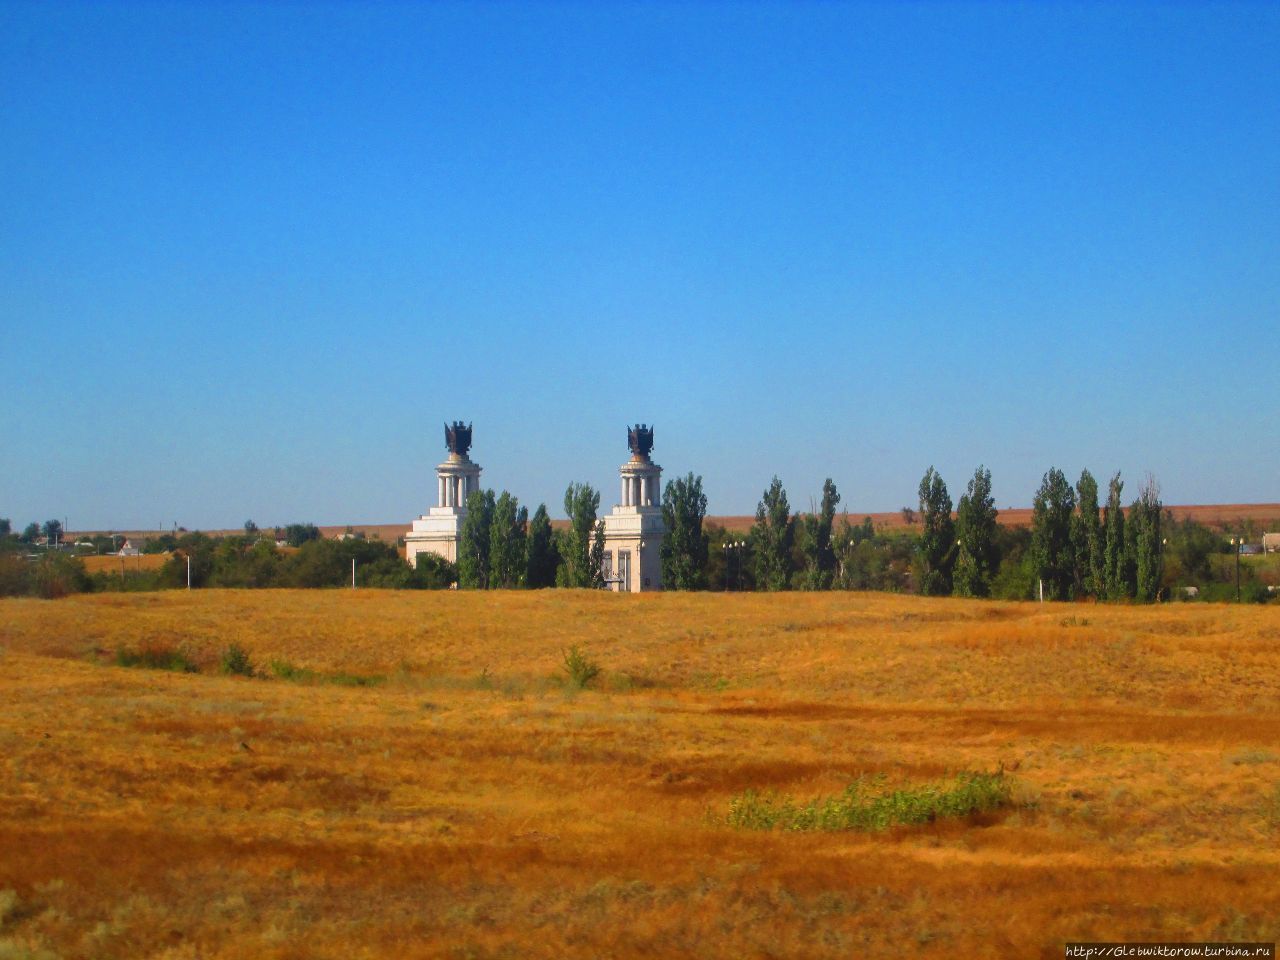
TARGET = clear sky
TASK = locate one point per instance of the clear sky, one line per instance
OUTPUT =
(253, 255)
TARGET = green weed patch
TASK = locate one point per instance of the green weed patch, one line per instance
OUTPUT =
(866, 805)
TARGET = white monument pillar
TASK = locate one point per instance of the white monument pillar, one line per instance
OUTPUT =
(634, 531)
(439, 530)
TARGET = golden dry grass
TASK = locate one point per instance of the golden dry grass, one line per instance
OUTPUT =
(471, 806)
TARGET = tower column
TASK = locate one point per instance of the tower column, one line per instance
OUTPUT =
(634, 531)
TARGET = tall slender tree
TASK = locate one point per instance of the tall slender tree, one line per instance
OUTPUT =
(976, 550)
(1051, 552)
(815, 543)
(684, 548)
(542, 557)
(936, 551)
(507, 535)
(1148, 552)
(1089, 577)
(771, 539)
(595, 558)
(473, 542)
(1115, 553)
(581, 504)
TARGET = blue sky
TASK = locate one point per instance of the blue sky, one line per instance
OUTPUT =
(253, 255)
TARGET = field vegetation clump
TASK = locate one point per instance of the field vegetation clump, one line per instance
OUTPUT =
(155, 656)
(868, 806)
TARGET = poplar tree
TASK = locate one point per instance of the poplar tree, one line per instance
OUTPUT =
(582, 540)
(473, 545)
(976, 554)
(936, 550)
(1148, 553)
(1115, 565)
(1087, 540)
(507, 534)
(771, 539)
(595, 558)
(685, 547)
(819, 558)
(1051, 549)
(542, 559)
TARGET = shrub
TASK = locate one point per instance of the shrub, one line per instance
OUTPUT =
(579, 668)
(55, 575)
(235, 661)
(284, 670)
(15, 575)
(860, 808)
(155, 656)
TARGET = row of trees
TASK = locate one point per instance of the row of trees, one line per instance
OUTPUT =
(1075, 547)
(50, 531)
(814, 551)
(502, 548)
(50, 534)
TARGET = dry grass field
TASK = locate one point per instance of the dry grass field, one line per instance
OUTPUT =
(123, 565)
(1218, 515)
(427, 786)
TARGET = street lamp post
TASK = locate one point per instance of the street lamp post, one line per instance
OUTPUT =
(1164, 545)
(733, 549)
(1237, 544)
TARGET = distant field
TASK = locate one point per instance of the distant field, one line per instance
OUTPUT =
(113, 564)
(1214, 515)
(427, 786)
(1262, 515)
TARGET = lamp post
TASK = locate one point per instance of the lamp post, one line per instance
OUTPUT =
(731, 549)
(1237, 544)
(1164, 544)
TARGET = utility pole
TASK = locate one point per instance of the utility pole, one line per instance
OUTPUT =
(188, 571)
(353, 573)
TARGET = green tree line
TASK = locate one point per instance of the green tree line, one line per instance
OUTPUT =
(1077, 546)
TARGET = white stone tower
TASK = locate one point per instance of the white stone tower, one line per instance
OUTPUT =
(439, 530)
(633, 532)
